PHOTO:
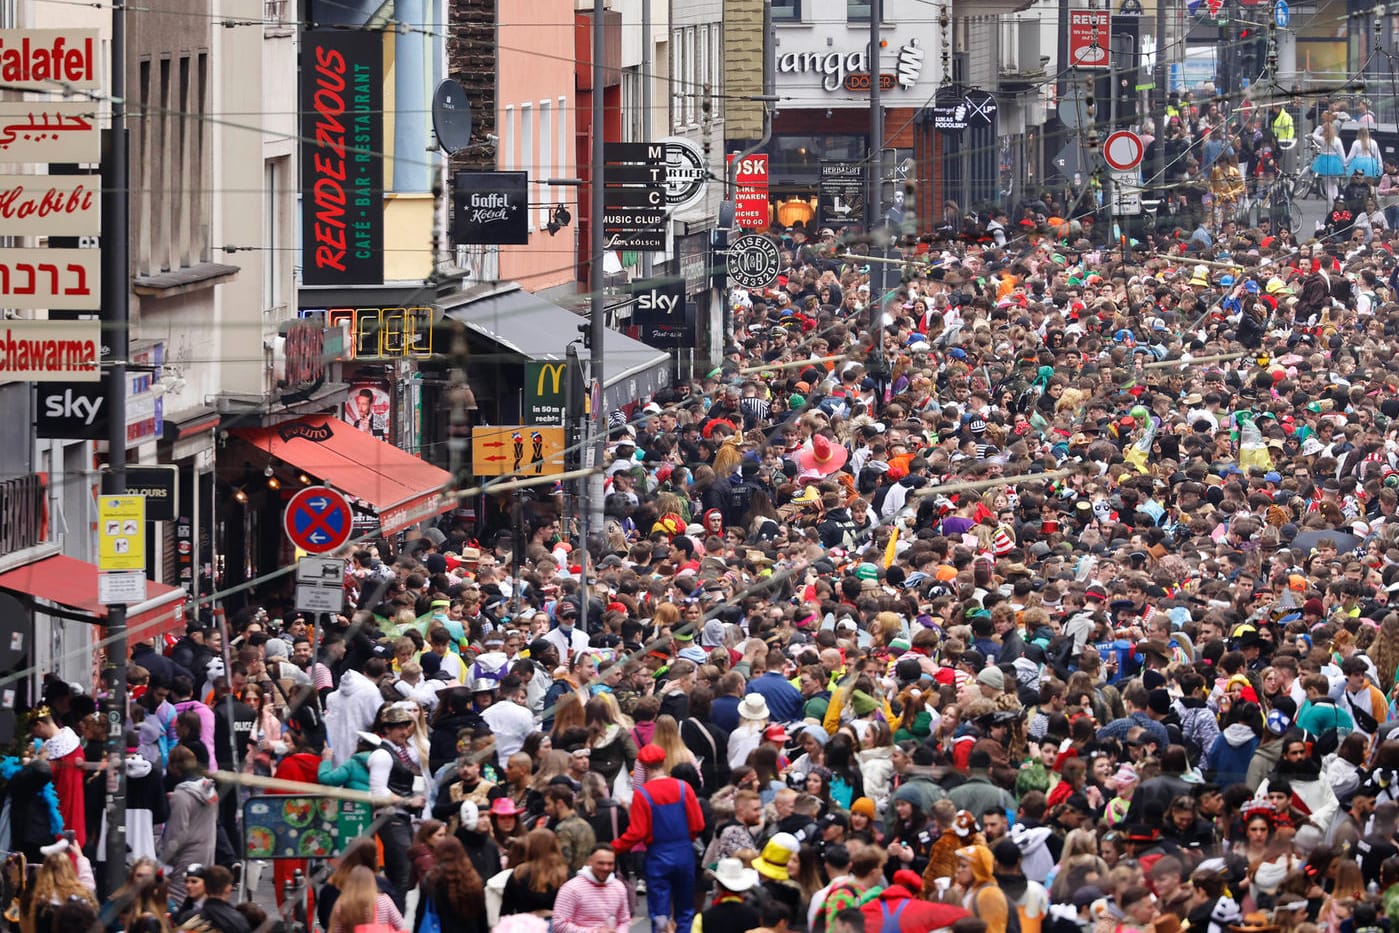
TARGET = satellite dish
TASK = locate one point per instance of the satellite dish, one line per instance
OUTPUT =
(451, 116)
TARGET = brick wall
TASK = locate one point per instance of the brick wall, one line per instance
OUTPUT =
(743, 68)
(471, 59)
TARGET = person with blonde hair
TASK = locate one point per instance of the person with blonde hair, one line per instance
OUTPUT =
(361, 902)
(55, 883)
(667, 736)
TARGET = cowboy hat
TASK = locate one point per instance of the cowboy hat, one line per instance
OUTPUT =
(732, 876)
(822, 455)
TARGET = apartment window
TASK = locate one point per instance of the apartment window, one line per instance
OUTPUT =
(273, 237)
(678, 73)
(859, 11)
(716, 71)
(546, 161)
(691, 70)
(789, 10)
(701, 69)
(561, 137)
(507, 140)
(527, 155)
(160, 206)
(632, 114)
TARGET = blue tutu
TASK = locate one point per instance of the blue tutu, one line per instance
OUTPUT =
(1328, 165)
(1367, 164)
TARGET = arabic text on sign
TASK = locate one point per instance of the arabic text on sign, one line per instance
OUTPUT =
(49, 131)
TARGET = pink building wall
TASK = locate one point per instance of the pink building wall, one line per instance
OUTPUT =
(537, 120)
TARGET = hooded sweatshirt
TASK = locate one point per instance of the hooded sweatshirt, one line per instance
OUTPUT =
(1036, 861)
(985, 899)
(1231, 754)
(190, 831)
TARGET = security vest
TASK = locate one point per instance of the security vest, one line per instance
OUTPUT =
(1283, 127)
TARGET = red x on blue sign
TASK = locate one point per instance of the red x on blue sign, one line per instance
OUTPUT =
(318, 519)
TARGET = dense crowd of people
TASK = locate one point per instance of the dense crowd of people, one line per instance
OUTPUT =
(1048, 592)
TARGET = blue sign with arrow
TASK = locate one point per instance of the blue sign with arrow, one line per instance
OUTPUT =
(318, 519)
(1281, 14)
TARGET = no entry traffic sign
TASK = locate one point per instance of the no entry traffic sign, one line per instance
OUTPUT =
(318, 519)
(1122, 151)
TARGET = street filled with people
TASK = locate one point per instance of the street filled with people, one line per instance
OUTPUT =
(1044, 590)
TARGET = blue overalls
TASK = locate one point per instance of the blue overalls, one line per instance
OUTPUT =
(670, 863)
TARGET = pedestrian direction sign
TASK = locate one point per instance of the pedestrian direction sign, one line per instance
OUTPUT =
(318, 519)
(502, 450)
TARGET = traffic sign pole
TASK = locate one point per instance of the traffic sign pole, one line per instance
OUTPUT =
(318, 519)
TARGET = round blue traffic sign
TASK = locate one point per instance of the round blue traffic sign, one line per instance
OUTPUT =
(318, 519)
(1281, 14)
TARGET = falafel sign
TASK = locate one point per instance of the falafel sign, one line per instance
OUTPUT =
(342, 170)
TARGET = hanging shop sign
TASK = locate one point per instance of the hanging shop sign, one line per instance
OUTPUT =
(303, 361)
(635, 195)
(491, 208)
(52, 205)
(751, 192)
(50, 59)
(686, 174)
(840, 193)
(850, 70)
(51, 278)
(956, 110)
(1090, 38)
(49, 131)
(377, 333)
(342, 172)
(24, 504)
(50, 351)
(662, 313)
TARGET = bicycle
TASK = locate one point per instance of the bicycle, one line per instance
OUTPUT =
(1276, 204)
(1305, 182)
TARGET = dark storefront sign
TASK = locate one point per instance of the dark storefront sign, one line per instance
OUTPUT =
(159, 484)
(958, 109)
(694, 258)
(76, 411)
(662, 313)
(184, 553)
(491, 208)
(342, 170)
(840, 193)
(545, 390)
(24, 515)
(634, 196)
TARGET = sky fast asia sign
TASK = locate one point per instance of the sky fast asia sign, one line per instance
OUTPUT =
(661, 314)
(491, 208)
(342, 170)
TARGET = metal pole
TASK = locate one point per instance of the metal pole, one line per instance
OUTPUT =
(647, 102)
(115, 273)
(596, 325)
(874, 206)
(1160, 77)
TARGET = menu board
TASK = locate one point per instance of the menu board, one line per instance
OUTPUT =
(301, 826)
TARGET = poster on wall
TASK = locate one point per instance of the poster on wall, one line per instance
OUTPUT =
(342, 163)
(368, 408)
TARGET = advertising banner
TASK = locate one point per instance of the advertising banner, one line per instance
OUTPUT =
(342, 170)
(662, 313)
(491, 208)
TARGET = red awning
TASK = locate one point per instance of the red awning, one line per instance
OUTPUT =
(401, 488)
(73, 583)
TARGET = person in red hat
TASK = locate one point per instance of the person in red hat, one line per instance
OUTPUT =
(666, 817)
(898, 907)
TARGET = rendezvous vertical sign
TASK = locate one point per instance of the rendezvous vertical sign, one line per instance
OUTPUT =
(342, 170)
(634, 196)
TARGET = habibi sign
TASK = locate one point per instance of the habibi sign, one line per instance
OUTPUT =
(342, 171)
(52, 205)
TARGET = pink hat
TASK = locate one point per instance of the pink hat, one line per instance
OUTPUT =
(822, 455)
(1125, 775)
